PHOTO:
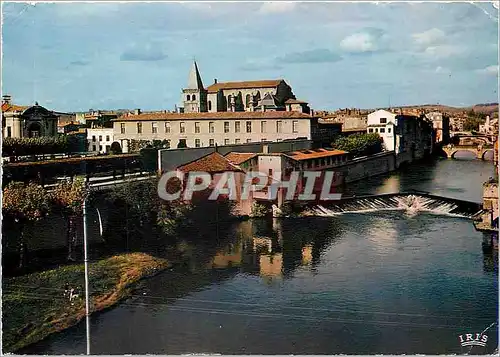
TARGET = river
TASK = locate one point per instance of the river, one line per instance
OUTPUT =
(372, 283)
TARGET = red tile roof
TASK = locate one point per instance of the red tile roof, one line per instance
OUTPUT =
(314, 154)
(6, 107)
(211, 163)
(215, 115)
(239, 157)
(269, 83)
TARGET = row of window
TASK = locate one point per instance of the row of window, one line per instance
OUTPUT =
(100, 138)
(211, 127)
(379, 130)
(94, 148)
(332, 160)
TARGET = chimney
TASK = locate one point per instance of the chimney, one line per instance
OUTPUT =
(6, 99)
(137, 111)
(215, 80)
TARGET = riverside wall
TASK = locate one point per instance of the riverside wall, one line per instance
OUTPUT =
(364, 167)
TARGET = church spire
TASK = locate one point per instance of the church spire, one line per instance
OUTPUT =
(194, 81)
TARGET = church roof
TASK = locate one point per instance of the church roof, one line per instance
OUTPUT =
(194, 81)
(269, 100)
(269, 83)
(215, 115)
(295, 101)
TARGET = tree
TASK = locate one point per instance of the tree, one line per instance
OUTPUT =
(182, 144)
(472, 124)
(68, 197)
(360, 144)
(25, 203)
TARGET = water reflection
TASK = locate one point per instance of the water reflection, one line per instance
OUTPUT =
(389, 185)
(259, 248)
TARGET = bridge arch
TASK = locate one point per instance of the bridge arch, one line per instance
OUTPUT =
(486, 151)
(456, 151)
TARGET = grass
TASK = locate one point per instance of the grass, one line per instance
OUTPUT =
(34, 305)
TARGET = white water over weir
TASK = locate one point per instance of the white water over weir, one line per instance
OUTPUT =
(412, 204)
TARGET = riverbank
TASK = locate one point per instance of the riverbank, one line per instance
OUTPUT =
(35, 305)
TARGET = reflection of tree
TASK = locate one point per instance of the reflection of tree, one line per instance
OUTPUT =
(490, 262)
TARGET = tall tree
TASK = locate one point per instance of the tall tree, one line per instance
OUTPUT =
(68, 197)
(25, 203)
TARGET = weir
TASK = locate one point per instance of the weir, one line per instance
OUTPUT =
(412, 202)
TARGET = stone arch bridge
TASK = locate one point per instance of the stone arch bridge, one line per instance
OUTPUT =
(478, 150)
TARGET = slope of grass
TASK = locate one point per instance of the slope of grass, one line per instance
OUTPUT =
(34, 305)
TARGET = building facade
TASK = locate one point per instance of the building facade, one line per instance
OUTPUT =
(99, 140)
(27, 122)
(210, 129)
(383, 123)
(441, 125)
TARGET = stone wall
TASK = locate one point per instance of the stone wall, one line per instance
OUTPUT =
(362, 168)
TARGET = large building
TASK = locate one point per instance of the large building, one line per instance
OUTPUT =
(223, 114)
(409, 136)
(27, 121)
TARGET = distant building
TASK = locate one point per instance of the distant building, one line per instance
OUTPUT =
(409, 136)
(490, 126)
(27, 121)
(99, 140)
(441, 125)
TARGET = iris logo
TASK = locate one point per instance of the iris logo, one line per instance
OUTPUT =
(470, 339)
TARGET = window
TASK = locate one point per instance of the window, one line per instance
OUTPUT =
(197, 127)
(383, 120)
(9, 131)
(237, 141)
(389, 130)
(211, 128)
(139, 128)
(295, 126)
(100, 137)
(382, 130)
(167, 127)
(197, 143)
(211, 142)
(122, 128)
(188, 98)
(182, 127)
(279, 126)
(93, 137)
(237, 127)
(209, 105)
(226, 127)
(376, 130)
(249, 126)
(194, 97)
(270, 172)
(154, 128)
(249, 141)
(263, 126)
(226, 141)
(93, 147)
(370, 130)
(107, 137)
(100, 147)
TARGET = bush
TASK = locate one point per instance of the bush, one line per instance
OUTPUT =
(360, 144)
(39, 146)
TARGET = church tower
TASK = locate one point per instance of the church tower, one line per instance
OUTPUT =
(194, 96)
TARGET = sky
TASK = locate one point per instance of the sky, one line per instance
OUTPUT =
(77, 56)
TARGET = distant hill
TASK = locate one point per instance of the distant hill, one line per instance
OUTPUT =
(485, 108)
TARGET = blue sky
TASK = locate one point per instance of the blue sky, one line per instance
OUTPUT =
(77, 56)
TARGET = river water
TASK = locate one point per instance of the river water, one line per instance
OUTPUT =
(379, 282)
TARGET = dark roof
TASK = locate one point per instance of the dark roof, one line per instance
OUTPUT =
(295, 101)
(214, 115)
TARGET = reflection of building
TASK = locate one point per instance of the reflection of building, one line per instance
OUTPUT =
(271, 265)
(307, 255)
(441, 124)
(27, 122)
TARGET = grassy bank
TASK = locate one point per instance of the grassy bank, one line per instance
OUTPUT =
(34, 305)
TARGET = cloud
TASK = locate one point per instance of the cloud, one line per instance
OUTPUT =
(79, 63)
(277, 7)
(360, 42)
(443, 51)
(429, 37)
(443, 70)
(490, 70)
(311, 56)
(148, 52)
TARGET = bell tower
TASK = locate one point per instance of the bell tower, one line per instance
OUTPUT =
(194, 96)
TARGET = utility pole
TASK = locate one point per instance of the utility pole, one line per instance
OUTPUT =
(86, 261)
